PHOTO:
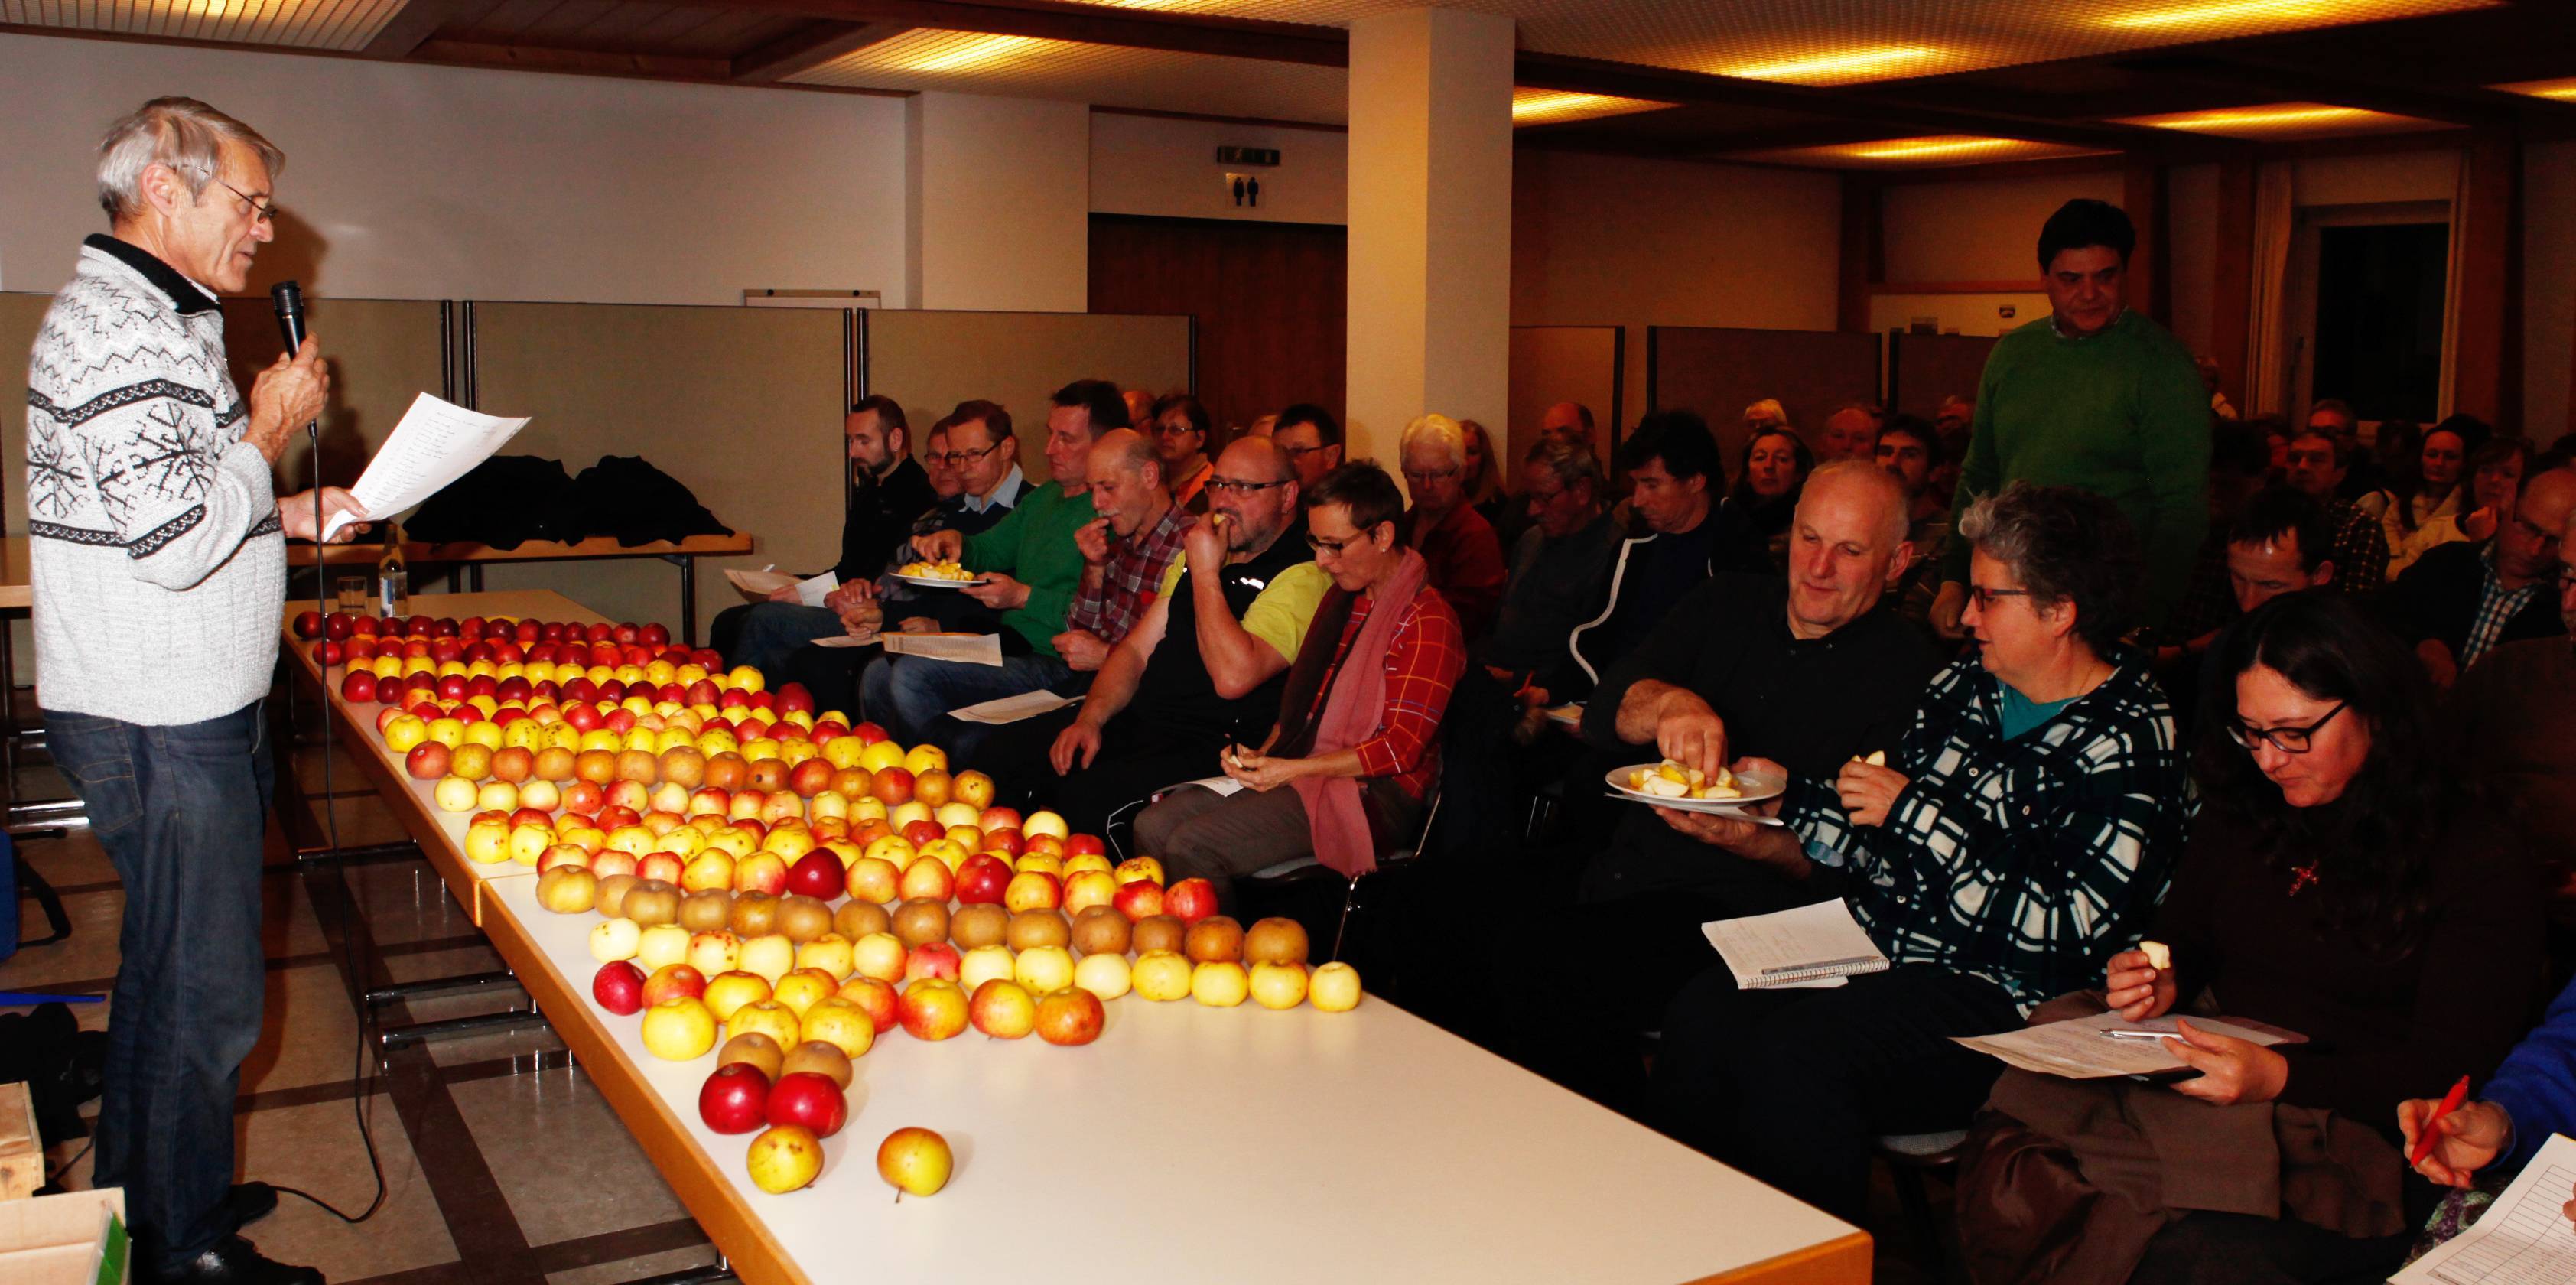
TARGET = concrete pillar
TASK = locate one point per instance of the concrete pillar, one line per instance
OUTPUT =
(1000, 204)
(1430, 223)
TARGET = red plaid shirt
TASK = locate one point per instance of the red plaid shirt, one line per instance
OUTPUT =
(1423, 661)
(1128, 585)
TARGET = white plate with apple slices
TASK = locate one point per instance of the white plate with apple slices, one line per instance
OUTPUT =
(937, 582)
(1751, 787)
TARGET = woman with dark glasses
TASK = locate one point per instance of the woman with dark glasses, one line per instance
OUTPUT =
(2341, 881)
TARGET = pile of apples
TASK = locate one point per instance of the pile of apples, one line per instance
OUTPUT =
(786, 883)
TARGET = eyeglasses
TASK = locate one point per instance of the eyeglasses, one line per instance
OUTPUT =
(2566, 577)
(2288, 740)
(957, 459)
(2531, 531)
(259, 213)
(1175, 430)
(1326, 544)
(1418, 477)
(1294, 452)
(1985, 597)
(1237, 486)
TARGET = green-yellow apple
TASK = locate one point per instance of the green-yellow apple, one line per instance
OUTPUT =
(1106, 976)
(983, 964)
(727, 992)
(770, 1018)
(529, 842)
(1162, 975)
(710, 869)
(568, 890)
(715, 952)
(661, 944)
(831, 953)
(487, 840)
(841, 1024)
(801, 988)
(1278, 986)
(614, 939)
(770, 954)
(879, 955)
(784, 1158)
(1219, 983)
(1043, 969)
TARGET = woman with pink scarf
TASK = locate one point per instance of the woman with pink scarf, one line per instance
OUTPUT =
(1357, 744)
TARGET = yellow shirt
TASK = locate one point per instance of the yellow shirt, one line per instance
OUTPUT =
(1279, 614)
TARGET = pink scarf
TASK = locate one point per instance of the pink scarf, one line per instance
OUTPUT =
(1354, 707)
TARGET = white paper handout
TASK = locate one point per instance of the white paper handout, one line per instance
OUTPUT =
(2079, 1048)
(436, 443)
(965, 649)
(1011, 709)
(758, 585)
(1818, 945)
(2524, 1238)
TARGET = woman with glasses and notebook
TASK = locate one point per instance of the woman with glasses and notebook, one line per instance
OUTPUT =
(2341, 881)
(2022, 829)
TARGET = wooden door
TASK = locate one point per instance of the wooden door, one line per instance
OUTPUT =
(1268, 298)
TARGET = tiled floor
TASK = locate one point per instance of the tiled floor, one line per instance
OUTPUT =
(500, 1162)
(502, 1166)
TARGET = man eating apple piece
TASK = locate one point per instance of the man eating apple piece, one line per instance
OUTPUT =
(157, 558)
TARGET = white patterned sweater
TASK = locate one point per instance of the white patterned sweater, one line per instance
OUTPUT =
(159, 570)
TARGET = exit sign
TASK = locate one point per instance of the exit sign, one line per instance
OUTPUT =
(1247, 156)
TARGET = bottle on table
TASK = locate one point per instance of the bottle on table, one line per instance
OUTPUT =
(393, 578)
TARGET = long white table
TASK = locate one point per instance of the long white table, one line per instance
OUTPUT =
(1188, 1144)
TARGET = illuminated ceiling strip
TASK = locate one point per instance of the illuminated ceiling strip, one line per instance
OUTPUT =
(1829, 65)
(2254, 118)
(971, 53)
(2225, 11)
(1908, 148)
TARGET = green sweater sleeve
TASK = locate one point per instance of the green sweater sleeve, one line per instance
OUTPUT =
(997, 547)
(2174, 427)
(1047, 560)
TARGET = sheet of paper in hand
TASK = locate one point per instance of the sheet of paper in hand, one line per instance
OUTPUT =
(2107, 1044)
(436, 443)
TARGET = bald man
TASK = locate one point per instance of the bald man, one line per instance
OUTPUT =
(1570, 423)
(1125, 550)
(2461, 600)
(1817, 666)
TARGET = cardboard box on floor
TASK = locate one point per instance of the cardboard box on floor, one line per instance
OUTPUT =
(77, 1238)
(22, 1154)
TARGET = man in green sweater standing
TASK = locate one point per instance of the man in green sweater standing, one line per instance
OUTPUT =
(2096, 396)
(1031, 568)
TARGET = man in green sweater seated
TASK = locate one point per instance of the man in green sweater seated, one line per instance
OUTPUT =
(1031, 568)
(2096, 396)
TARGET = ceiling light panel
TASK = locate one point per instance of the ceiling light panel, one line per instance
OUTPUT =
(2286, 121)
(2563, 89)
(344, 25)
(1105, 75)
(1552, 107)
(1916, 153)
(1840, 42)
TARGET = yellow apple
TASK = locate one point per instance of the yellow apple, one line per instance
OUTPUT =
(770, 954)
(1043, 969)
(906, 813)
(487, 840)
(529, 841)
(983, 964)
(915, 1161)
(1082, 861)
(1219, 983)
(455, 794)
(662, 944)
(727, 992)
(1103, 975)
(954, 815)
(800, 989)
(679, 1029)
(830, 953)
(1335, 988)
(880, 756)
(784, 1158)
(767, 1016)
(925, 758)
(878, 955)
(1135, 868)
(614, 939)
(1162, 975)
(841, 1024)
(1278, 986)
(1003, 1009)
(973, 789)
(715, 952)
(1044, 823)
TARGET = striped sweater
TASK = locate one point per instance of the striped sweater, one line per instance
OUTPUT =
(158, 566)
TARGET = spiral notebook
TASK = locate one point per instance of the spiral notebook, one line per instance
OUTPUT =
(1812, 946)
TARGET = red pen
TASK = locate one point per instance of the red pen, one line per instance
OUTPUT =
(2424, 1133)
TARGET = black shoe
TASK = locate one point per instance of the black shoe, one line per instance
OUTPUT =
(248, 1202)
(233, 1261)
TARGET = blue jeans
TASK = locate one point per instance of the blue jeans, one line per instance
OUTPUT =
(770, 630)
(181, 811)
(911, 695)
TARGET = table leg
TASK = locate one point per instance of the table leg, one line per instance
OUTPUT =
(688, 565)
(474, 577)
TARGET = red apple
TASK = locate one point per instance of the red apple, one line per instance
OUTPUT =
(1081, 844)
(1190, 900)
(997, 819)
(793, 697)
(308, 625)
(427, 761)
(1139, 899)
(891, 787)
(982, 879)
(735, 1099)
(817, 874)
(619, 988)
(673, 981)
(932, 959)
(1070, 1016)
(811, 777)
(810, 1099)
(360, 685)
(923, 833)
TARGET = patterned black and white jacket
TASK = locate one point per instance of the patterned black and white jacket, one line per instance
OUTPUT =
(159, 570)
(2028, 861)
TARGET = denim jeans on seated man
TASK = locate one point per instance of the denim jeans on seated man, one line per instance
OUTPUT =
(770, 630)
(182, 812)
(910, 696)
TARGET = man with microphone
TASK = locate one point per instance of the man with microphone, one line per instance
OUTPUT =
(158, 557)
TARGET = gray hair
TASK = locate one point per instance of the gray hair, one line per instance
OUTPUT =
(1888, 490)
(2065, 544)
(1439, 431)
(183, 134)
(1568, 464)
(1769, 411)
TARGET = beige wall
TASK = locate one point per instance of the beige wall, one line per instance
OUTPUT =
(1978, 230)
(1609, 240)
(1000, 203)
(430, 182)
(1168, 168)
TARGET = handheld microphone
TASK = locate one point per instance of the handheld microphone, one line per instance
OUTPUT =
(289, 299)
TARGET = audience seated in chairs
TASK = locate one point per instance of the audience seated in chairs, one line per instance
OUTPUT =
(1032, 568)
(1184, 435)
(2432, 489)
(1312, 439)
(1810, 670)
(1753, 524)
(2027, 823)
(972, 462)
(2319, 464)
(2342, 881)
(2462, 600)
(1457, 545)
(2516, 709)
(1671, 547)
(1345, 772)
(1908, 448)
(1201, 670)
(889, 491)
(2496, 471)
(1557, 571)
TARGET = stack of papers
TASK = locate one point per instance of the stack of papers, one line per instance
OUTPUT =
(436, 443)
(758, 585)
(2081, 1048)
(1811, 947)
(2524, 1238)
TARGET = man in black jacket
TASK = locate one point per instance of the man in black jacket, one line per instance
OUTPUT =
(888, 489)
(2463, 599)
